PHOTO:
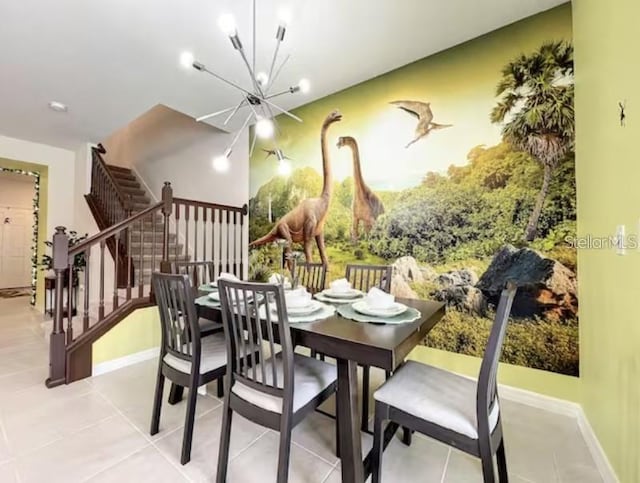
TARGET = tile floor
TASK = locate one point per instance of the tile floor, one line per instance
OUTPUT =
(97, 430)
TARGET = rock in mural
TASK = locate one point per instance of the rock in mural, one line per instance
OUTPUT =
(410, 271)
(463, 297)
(400, 288)
(464, 276)
(546, 288)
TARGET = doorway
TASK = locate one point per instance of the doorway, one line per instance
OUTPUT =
(17, 225)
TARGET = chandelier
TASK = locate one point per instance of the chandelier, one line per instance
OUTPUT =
(258, 98)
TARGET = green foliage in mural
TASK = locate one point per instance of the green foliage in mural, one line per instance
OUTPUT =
(475, 209)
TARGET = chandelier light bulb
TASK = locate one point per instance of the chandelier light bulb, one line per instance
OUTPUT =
(284, 17)
(221, 163)
(284, 168)
(262, 78)
(227, 24)
(264, 128)
(186, 60)
(304, 86)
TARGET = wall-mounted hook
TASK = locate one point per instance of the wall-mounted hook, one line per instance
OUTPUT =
(622, 105)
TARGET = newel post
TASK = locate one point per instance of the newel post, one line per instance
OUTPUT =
(167, 208)
(57, 353)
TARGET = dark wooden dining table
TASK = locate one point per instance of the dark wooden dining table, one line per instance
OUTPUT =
(351, 343)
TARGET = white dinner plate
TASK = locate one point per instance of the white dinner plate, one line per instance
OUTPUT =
(349, 294)
(363, 307)
(216, 296)
(313, 306)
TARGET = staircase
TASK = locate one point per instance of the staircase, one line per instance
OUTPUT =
(145, 241)
(137, 237)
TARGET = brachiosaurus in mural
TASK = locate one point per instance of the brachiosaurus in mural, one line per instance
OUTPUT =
(306, 221)
(366, 206)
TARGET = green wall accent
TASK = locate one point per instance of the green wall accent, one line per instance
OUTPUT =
(607, 168)
(42, 216)
(138, 332)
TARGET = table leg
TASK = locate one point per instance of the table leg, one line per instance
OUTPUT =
(350, 444)
(175, 394)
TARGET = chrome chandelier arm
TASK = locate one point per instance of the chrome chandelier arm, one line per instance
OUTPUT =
(240, 104)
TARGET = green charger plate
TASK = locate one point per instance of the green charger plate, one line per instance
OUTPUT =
(410, 315)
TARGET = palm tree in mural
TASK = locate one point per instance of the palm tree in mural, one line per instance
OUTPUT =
(535, 108)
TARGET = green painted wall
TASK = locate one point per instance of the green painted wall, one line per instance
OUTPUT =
(138, 332)
(607, 167)
(42, 216)
(543, 382)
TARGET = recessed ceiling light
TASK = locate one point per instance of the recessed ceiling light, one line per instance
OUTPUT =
(58, 106)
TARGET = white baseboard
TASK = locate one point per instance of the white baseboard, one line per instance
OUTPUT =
(119, 363)
(597, 452)
(571, 409)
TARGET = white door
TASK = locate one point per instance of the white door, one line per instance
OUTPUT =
(16, 232)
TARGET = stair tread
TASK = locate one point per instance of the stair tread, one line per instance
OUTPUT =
(122, 169)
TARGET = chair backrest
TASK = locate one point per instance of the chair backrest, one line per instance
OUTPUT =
(487, 392)
(312, 276)
(180, 329)
(363, 277)
(257, 310)
(199, 272)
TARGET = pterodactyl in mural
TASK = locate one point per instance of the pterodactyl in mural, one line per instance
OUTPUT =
(421, 111)
(278, 153)
(306, 221)
(366, 206)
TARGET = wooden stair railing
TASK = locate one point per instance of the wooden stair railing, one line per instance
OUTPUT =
(210, 232)
(109, 206)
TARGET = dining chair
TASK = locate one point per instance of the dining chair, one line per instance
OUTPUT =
(453, 409)
(363, 278)
(186, 358)
(200, 273)
(283, 387)
(312, 276)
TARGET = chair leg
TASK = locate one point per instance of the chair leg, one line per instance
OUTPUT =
(321, 357)
(364, 423)
(407, 436)
(283, 453)
(503, 477)
(225, 437)
(188, 424)
(337, 439)
(486, 457)
(376, 454)
(313, 353)
(220, 386)
(157, 402)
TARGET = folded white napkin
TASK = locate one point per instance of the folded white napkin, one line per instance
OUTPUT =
(377, 299)
(278, 279)
(227, 276)
(297, 298)
(340, 285)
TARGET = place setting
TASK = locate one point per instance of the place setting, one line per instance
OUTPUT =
(212, 294)
(379, 307)
(300, 306)
(340, 292)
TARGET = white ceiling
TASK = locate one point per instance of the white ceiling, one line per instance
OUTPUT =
(112, 60)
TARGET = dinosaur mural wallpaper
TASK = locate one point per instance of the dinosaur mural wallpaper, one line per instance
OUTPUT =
(458, 170)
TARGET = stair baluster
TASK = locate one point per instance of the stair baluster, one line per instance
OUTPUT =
(70, 348)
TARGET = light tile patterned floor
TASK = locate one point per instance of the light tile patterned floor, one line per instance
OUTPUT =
(97, 430)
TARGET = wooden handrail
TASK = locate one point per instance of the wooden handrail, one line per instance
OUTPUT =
(97, 152)
(244, 209)
(142, 243)
(112, 230)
